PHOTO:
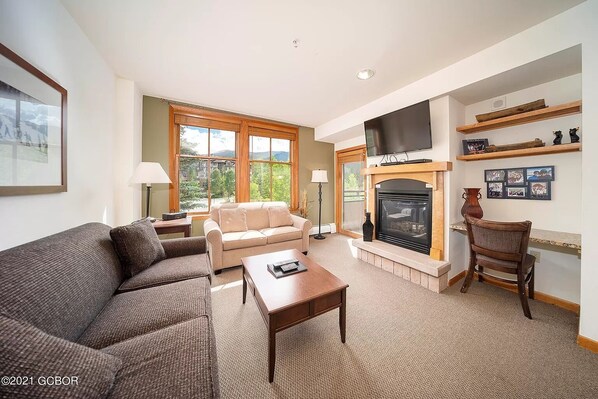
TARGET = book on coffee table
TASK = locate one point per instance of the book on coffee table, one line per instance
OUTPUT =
(287, 269)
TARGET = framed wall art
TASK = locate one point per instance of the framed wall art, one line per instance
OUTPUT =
(539, 190)
(533, 183)
(32, 129)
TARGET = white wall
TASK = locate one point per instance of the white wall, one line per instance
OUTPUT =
(559, 271)
(43, 33)
(127, 151)
(570, 28)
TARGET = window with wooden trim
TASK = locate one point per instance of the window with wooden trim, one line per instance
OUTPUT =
(217, 157)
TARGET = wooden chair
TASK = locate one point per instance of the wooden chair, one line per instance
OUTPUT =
(501, 246)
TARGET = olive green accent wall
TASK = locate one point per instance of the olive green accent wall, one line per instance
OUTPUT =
(312, 155)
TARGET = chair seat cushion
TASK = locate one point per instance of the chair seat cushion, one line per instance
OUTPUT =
(134, 313)
(528, 262)
(169, 271)
(281, 234)
(26, 351)
(243, 239)
(175, 362)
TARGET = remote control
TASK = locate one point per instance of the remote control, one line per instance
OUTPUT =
(285, 262)
(288, 267)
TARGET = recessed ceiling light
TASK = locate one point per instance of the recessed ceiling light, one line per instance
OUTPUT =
(365, 74)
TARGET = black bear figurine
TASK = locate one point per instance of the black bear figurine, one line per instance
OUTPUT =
(558, 137)
(573, 135)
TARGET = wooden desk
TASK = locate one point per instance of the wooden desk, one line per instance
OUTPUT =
(548, 237)
(174, 226)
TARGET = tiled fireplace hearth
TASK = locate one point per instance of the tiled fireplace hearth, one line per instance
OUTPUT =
(426, 269)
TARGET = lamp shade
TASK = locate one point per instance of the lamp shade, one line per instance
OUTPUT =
(149, 172)
(319, 176)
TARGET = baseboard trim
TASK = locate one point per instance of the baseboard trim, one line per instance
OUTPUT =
(539, 296)
(456, 278)
(587, 343)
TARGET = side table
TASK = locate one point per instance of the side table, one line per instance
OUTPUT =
(174, 226)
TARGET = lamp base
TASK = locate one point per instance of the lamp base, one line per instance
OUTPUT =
(319, 237)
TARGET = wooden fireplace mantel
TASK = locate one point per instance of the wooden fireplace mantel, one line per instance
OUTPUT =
(431, 173)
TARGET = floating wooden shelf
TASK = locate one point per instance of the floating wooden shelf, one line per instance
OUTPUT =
(553, 149)
(526, 117)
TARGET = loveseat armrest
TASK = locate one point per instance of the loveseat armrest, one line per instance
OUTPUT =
(176, 247)
(213, 234)
(304, 225)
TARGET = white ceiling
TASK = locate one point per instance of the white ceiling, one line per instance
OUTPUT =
(238, 55)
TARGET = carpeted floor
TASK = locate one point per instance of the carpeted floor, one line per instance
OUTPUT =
(403, 341)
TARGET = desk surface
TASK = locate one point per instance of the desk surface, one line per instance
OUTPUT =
(549, 237)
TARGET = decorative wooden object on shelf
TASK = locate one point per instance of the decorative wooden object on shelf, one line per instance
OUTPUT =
(534, 105)
(517, 146)
(527, 117)
(553, 149)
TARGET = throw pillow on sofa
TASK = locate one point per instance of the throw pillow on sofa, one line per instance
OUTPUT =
(50, 367)
(232, 220)
(279, 216)
(137, 246)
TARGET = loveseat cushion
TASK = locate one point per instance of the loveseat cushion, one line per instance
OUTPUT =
(28, 352)
(60, 283)
(233, 220)
(281, 234)
(169, 271)
(243, 239)
(176, 362)
(279, 216)
(138, 312)
(137, 246)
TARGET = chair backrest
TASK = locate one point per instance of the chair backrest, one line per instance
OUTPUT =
(502, 245)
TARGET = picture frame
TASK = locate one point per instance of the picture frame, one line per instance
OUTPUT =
(475, 146)
(32, 129)
(495, 190)
(516, 192)
(493, 175)
(515, 177)
(540, 190)
(540, 173)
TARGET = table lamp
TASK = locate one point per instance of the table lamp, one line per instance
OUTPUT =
(148, 173)
(319, 176)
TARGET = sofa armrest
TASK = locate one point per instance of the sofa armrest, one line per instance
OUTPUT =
(176, 247)
(213, 234)
(304, 225)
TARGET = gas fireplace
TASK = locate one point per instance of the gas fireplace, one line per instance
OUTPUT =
(404, 214)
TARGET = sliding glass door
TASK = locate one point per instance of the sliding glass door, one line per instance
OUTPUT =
(350, 191)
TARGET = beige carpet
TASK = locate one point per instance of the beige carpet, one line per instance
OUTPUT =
(402, 342)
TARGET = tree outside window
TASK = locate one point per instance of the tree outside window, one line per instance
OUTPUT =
(270, 169)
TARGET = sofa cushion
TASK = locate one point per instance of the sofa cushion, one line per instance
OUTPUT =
(169, 271)
(279, 216)
(281, 234)
(29, 352)
(243, 239)
(233, 220)
(175, 362)
(138, 312)
(60, 283)
(137, 246)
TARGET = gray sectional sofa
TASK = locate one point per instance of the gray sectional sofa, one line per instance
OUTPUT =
(67, 309)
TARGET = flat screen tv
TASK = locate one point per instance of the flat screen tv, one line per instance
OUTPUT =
(404, 130)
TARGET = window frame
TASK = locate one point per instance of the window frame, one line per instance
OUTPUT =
(269, 161)
(244, 127)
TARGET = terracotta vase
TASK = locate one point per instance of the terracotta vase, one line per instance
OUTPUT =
(471, 206)
(368, 228)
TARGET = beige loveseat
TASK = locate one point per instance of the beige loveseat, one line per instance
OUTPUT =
(235, 230)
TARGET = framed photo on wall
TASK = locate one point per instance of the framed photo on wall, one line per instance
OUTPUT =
(32, 129)
(516, 192)
(540, 173)
(539, 190)
(494, 175)
(495, 190)
(516, 177)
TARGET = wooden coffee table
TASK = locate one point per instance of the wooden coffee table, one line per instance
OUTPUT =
(290, 300)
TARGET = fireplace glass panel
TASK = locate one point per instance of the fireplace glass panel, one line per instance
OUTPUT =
(405, 218)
